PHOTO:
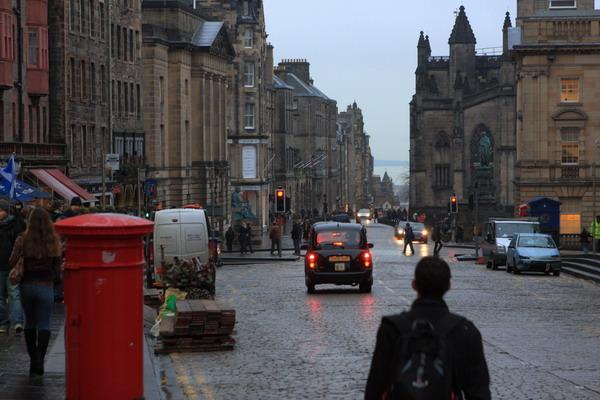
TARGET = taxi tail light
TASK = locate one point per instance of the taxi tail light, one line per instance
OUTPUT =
(366, 259)
(312, 260)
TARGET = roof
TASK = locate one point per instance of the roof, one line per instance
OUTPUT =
(301, 88)
(278, 83)
(326, 226)
(462, 31)
(545, 14)
(62, 185)
(206, 33)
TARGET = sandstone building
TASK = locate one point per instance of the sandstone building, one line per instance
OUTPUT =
(462, 127)
(356, 161)
(249, 104)
(305, 144)
(556, 47)
(187, 62)
(24, 86)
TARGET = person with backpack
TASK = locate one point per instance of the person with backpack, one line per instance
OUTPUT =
(409, 236)
(428, 353)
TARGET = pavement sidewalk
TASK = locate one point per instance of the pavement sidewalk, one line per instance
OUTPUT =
(15, 382)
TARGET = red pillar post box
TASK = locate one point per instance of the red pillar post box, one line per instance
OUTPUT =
(103, 280)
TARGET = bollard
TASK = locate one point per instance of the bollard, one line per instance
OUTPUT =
(103, 283)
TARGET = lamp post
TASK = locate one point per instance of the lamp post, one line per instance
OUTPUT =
(594, 222)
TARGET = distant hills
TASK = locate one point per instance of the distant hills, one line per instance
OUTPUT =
(391, 163)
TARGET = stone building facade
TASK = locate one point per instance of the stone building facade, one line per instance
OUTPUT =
(556, 47)
(80, 109)
(24, 87)
(306, 148)
(383, 193)
(356, 161)
(462, 128)
(250, 103)
(187, 62)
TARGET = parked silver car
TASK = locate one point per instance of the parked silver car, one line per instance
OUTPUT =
(533, 252)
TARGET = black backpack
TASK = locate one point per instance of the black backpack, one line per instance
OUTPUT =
(423, 364)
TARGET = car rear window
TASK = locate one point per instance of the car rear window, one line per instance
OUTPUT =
(338, 239)
(537, 241)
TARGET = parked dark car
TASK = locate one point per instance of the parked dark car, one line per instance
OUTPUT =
(338, 253)
(533, 252)
(419, 230)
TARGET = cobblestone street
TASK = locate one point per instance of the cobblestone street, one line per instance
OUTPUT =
(541, 334)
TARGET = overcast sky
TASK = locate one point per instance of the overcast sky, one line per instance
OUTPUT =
(366, 51)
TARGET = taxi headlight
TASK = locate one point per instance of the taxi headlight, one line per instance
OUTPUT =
(425, 233)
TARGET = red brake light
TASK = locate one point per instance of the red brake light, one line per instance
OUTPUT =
(366, 259)
(312, 260)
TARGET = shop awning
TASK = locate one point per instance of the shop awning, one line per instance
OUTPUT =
(23, 192)
(62, 185)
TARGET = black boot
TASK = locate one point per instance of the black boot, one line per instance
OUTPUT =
(30, 341)
(42, 347)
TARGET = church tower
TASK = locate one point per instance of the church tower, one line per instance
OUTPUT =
(462, 50)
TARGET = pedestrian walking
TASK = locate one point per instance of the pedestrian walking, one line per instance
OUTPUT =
(74, 208)
(229, 237)
(429, 345)
(297, 236)
(275, 236)
(436, 236)
(595, 232)
(584, 238)
(11, 312)
(242, 238)
(409, 236)
(248, 238)
(39, 250)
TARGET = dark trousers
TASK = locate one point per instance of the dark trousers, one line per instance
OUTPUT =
(229, 244)
(408, 243)
(438, 246)
(297, 246)
(274, 243)
(597, 245)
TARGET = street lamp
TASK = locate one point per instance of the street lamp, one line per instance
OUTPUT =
(593, 233)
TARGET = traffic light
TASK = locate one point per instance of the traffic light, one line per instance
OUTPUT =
(453, 204)
(280, 200)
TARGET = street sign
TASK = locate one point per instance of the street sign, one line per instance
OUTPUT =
(112, 161)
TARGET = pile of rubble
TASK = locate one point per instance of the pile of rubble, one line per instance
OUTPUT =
(198, 325)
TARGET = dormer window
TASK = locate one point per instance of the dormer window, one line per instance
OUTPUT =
(563, 4)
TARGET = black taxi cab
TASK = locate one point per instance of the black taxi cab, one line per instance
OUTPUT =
(338, 254)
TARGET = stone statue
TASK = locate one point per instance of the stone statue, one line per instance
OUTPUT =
(485, 150)
(240, 207)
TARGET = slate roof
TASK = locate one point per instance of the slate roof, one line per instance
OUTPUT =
(206, 33)
(462, 31)
(278, 83)
(301, 88)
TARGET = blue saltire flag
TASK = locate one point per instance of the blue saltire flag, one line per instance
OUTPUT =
(9, 177)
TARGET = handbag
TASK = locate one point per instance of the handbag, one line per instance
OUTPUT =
(16, 273)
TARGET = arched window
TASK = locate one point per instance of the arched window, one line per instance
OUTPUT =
(441, 159)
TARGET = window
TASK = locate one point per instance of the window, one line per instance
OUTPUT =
(129, 146)
(84, 144)
(83, 16)
(92, 81)
(161, 93)
(118, 41)
(71, 77)
(93, 151)
(119, 147)
(137, 44)
(249, 116)
(83, 80)
(249, 74)
(139, 147)
(563, 4)
(119, 98)
(103, 83)
(30, 114)
(33, 46)
(38, 125)
(72, 145)
(102, 21)
(245, 9)
(569, 138)
(92, 18)
(442, 175)
(45, 125)
(125, 44)
(14, 120)
(126, 93)
(112, 40)
(569, 90)
(6, 45)
(130, 45)
(249, 38)
(131, 98)
(72, 17)
(138, 111)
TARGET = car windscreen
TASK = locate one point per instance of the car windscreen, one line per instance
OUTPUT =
(509, 230)
(338, 238)
(543, 242)
(416, 226)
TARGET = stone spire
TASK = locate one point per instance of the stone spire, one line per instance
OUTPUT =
(422, 43)
(507, 21)
(462, 32)
(428, 44)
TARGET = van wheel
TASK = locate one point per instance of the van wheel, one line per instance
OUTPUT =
(310, 288)
(515, 271)
(488, 265)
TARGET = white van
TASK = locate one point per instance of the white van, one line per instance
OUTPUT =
(181, 233)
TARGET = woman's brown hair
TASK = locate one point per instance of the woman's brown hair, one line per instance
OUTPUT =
(40, 239)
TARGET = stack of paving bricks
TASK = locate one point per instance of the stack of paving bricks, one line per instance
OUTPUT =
(193, 277)
(199, 325)
(152, 298)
